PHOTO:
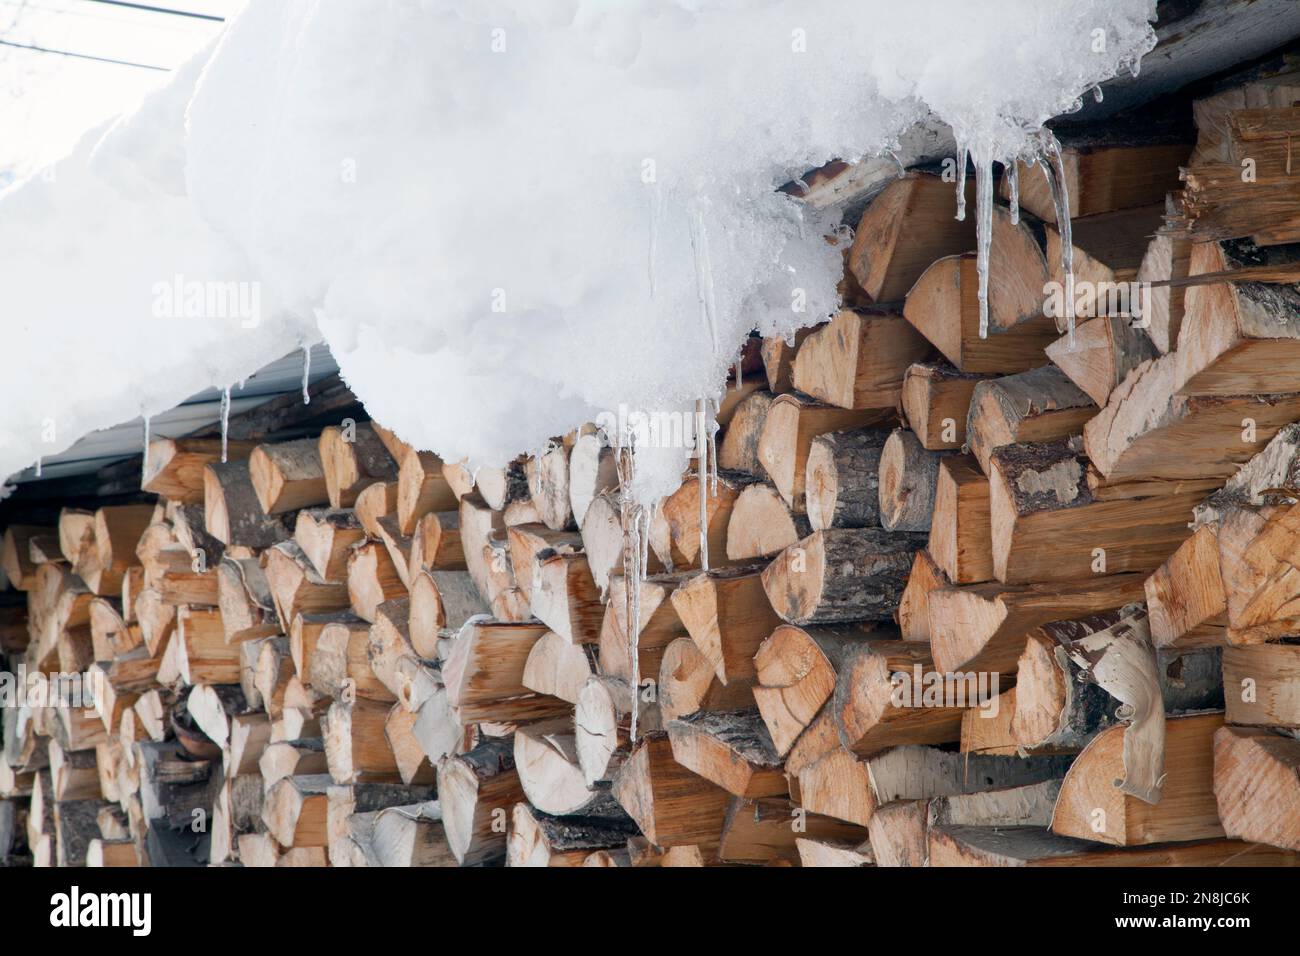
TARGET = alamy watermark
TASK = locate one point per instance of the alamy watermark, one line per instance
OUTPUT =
(25, 688)
(922, 688)
(183, 298)
(1092, 299)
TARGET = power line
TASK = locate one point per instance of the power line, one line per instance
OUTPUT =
(84, 56)
(168, 10)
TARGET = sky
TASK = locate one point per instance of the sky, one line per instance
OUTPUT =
(47, 101)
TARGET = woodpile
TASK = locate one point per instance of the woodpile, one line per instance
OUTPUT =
(952, 599)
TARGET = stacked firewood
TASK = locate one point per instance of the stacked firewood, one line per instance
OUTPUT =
(1028, 598)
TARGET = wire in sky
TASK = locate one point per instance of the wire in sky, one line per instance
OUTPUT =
(168, 10)
(84, 56)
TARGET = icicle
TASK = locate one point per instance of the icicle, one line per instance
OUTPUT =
(983, 234)
(636, 535)
(740, 371)
(225, 420)
(38, 466)
(962, 154)
(1013, 180)
(144, 466)
(1054, 171)
(713, 449)
(704, 273)
(701, 474)
(306, 374)
(1097, 95)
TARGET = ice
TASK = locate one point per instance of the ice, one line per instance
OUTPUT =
(983, 234)
(1013, 180)
(225, 420)
(963, 157)
(144, 455)
(1054, 170)
(306, 374)
(452, 192)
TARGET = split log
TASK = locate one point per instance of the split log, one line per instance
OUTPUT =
(1260, 685)
(858, 359)
(1147, 430)
(1106, 349)
(558, 668)
(791, 424)
(592, 472)
(372, 579)
(1091, 807)
(1257, 785)
(904, 229)
(231, 512)
(436, 543)
(841, 575)
(838, 853)
(671, 805)
(727, 617)
(353, 457)
(602, 540)
(842, 480)
(678, 544)
(326, 536)
(290, 758)
(174, 466)
(761, 523)
(288, 476)
(565, 597)
(984, 626)
(376, 501)
(476, 791)
(441, 601)
(538, 839)
(738, 450)
(732, 750)
(1185, 594)
(340, 662)
(689, 683)
(936, 400)
(961, 542)
(658, 622)
(548, 485)
(295, 811)
(546, 760)
(484, 674)
(914, 606)
(1032, 846)
(763, 831)
(943, 305)
(778, 359)
(413, 764)
(1035, 406)
(356, 747)
(908, 477)
(1046, 524)
(245, 601)
(421, 488)
(1167, 258)
(796, 671)
(295, 586)
(1108, 248)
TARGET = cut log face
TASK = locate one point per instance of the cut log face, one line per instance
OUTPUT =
(904, 229)
(858, 360)
(961, 540)
(738, 450)
(1035, 406)
(548, 484)
(1257, 786)
(727, 617)
(936, 401)
(791, 424)
(671, 805)
(1260, 685)
(1167, 258)
(778, 360)
(231, 511)
(475, 790)
(1042, 508)
(796, 671)
(352, 459)
(592, 471)
(762, 525)
(558, 668)
(841, 575)
(689, 683)
(1106, 349)
(421, 488)
(288, 476)
(1186, 592)
(1091, 807)
(175, 465)
(547, 762)
(907, 480)
(538, 839)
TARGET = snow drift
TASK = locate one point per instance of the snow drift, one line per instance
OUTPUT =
(505, 218)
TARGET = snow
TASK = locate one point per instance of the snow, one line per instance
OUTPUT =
(505, 218)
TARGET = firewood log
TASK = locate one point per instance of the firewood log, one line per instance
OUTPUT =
(842, 479)
(411, 837)
(558, 668)
(1259, 685)
(844, 574)
(1148, 430)
(231, 512)
(943, 305)
(671, 805)
(305, 634)
(592, 472)
(659, 625)
(548, 486)
(936, 401)
(765, 831)
(732, 750)
(441, 601)
(72, 527)
(288, 475)
(436, 543)
(290, 758)
(356, 747)
(273, 669)
(1091, 807)
(389, 644)
(1258, 580)
(202, 654)
(847, 788)
(1167, 258)
(906, 483)
(961, 542)
(245, 601)
(827, 852)
(688, 682)
(778, 359)
(341, 661)
(761, 524)
(546, 760)
(913, 607)
(1238, 338)
(484, 674)
(1035, 406)
(727, 616)
(374, 502)
(538, 839)
(1106, 349)
(352, 459)
(858, 359)
(602, 540)
(791, 424)
(904, 229)
(73, 774)
(678, 547)
(602, 725)
(413, 764)
(421, 488)
(326, 536)
(1185, 594)
(476, 791)
(796, 671)
(984, 626)
(565, 596)
(295, 811)
(296, 587)
(372, 579)
(738, 450)
(174, 468)
(1031, 846)
(1108, 248)
(1257, 785)
(1046, 524)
